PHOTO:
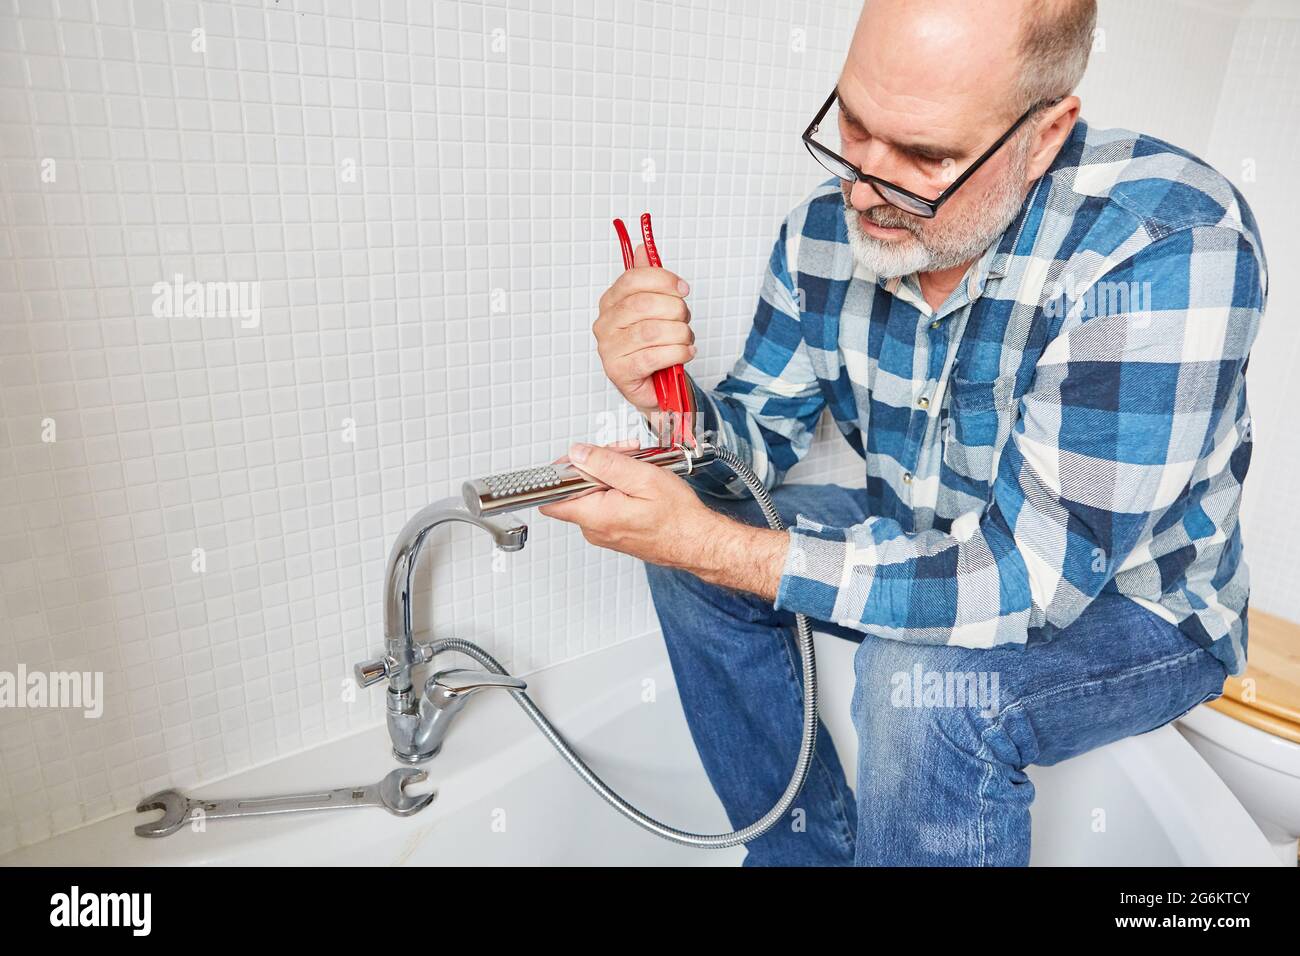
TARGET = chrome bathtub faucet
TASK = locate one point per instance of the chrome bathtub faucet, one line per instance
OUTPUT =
(417, 723)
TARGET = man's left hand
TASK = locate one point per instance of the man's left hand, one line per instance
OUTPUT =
(654, 515)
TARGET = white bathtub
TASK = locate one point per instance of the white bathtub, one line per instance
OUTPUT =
(505, 797)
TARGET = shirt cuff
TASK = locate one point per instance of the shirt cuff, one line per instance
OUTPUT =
(813, 570)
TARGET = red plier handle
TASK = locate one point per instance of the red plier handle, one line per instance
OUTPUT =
(672, 388)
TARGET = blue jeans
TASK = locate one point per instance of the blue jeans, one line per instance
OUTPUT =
(944, 733)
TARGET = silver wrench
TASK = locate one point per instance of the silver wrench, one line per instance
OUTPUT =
(389, 793)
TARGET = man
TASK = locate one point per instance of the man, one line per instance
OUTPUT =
(1046, 379)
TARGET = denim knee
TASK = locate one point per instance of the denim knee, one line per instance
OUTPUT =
(909, 697)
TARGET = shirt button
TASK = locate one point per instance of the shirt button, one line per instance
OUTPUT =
(923, 401)
(907, 477)
(934, 324)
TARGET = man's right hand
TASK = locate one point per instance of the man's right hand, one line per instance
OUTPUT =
(643, 326)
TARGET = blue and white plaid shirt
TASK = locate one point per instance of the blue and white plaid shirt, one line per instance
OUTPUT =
(1072, 420)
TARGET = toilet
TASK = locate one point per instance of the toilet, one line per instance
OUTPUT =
(1251, 735)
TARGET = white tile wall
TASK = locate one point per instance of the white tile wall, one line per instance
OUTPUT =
(421, 194)
(1157, 66)
(1255, 141)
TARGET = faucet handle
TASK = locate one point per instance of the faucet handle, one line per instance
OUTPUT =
(460, 681)
(372, 672)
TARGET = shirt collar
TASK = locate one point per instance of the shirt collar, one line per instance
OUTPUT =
(989, 266)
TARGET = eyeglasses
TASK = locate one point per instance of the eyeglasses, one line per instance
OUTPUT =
(892, 193)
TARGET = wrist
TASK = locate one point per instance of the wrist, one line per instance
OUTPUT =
(741, 556)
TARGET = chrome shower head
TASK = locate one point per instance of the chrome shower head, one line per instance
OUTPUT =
(544, 484)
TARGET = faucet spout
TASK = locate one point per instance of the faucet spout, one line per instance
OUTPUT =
(407, 726)
(508, 535)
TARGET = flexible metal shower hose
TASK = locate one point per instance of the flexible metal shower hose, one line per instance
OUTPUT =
(804, 639)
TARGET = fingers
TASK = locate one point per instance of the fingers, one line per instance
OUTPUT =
(649, 305)
(621, 472)
(647, 333)
(625, 444)
(641, 364)
(643, 280)
(576, 509)
(633, 352)
(644, 319)
(634, 330)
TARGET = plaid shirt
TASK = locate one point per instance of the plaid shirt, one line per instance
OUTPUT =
(1072, 420)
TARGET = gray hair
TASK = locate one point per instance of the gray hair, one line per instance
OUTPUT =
(1055, 40)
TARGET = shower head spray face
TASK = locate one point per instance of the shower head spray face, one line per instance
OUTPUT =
(541, 478)
(544, 484)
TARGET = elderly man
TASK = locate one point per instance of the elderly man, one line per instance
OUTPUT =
(1035, 332)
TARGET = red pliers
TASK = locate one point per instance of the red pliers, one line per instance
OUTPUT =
(672, 388)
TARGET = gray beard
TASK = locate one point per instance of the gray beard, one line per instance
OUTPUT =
(930, 249)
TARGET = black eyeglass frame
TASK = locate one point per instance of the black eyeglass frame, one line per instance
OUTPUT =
(930, 205)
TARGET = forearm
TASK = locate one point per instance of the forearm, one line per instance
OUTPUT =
(741, 557)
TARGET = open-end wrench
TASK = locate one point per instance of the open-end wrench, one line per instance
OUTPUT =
(389, 793)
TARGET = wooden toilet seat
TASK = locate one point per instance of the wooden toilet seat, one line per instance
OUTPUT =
(1267, 695)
